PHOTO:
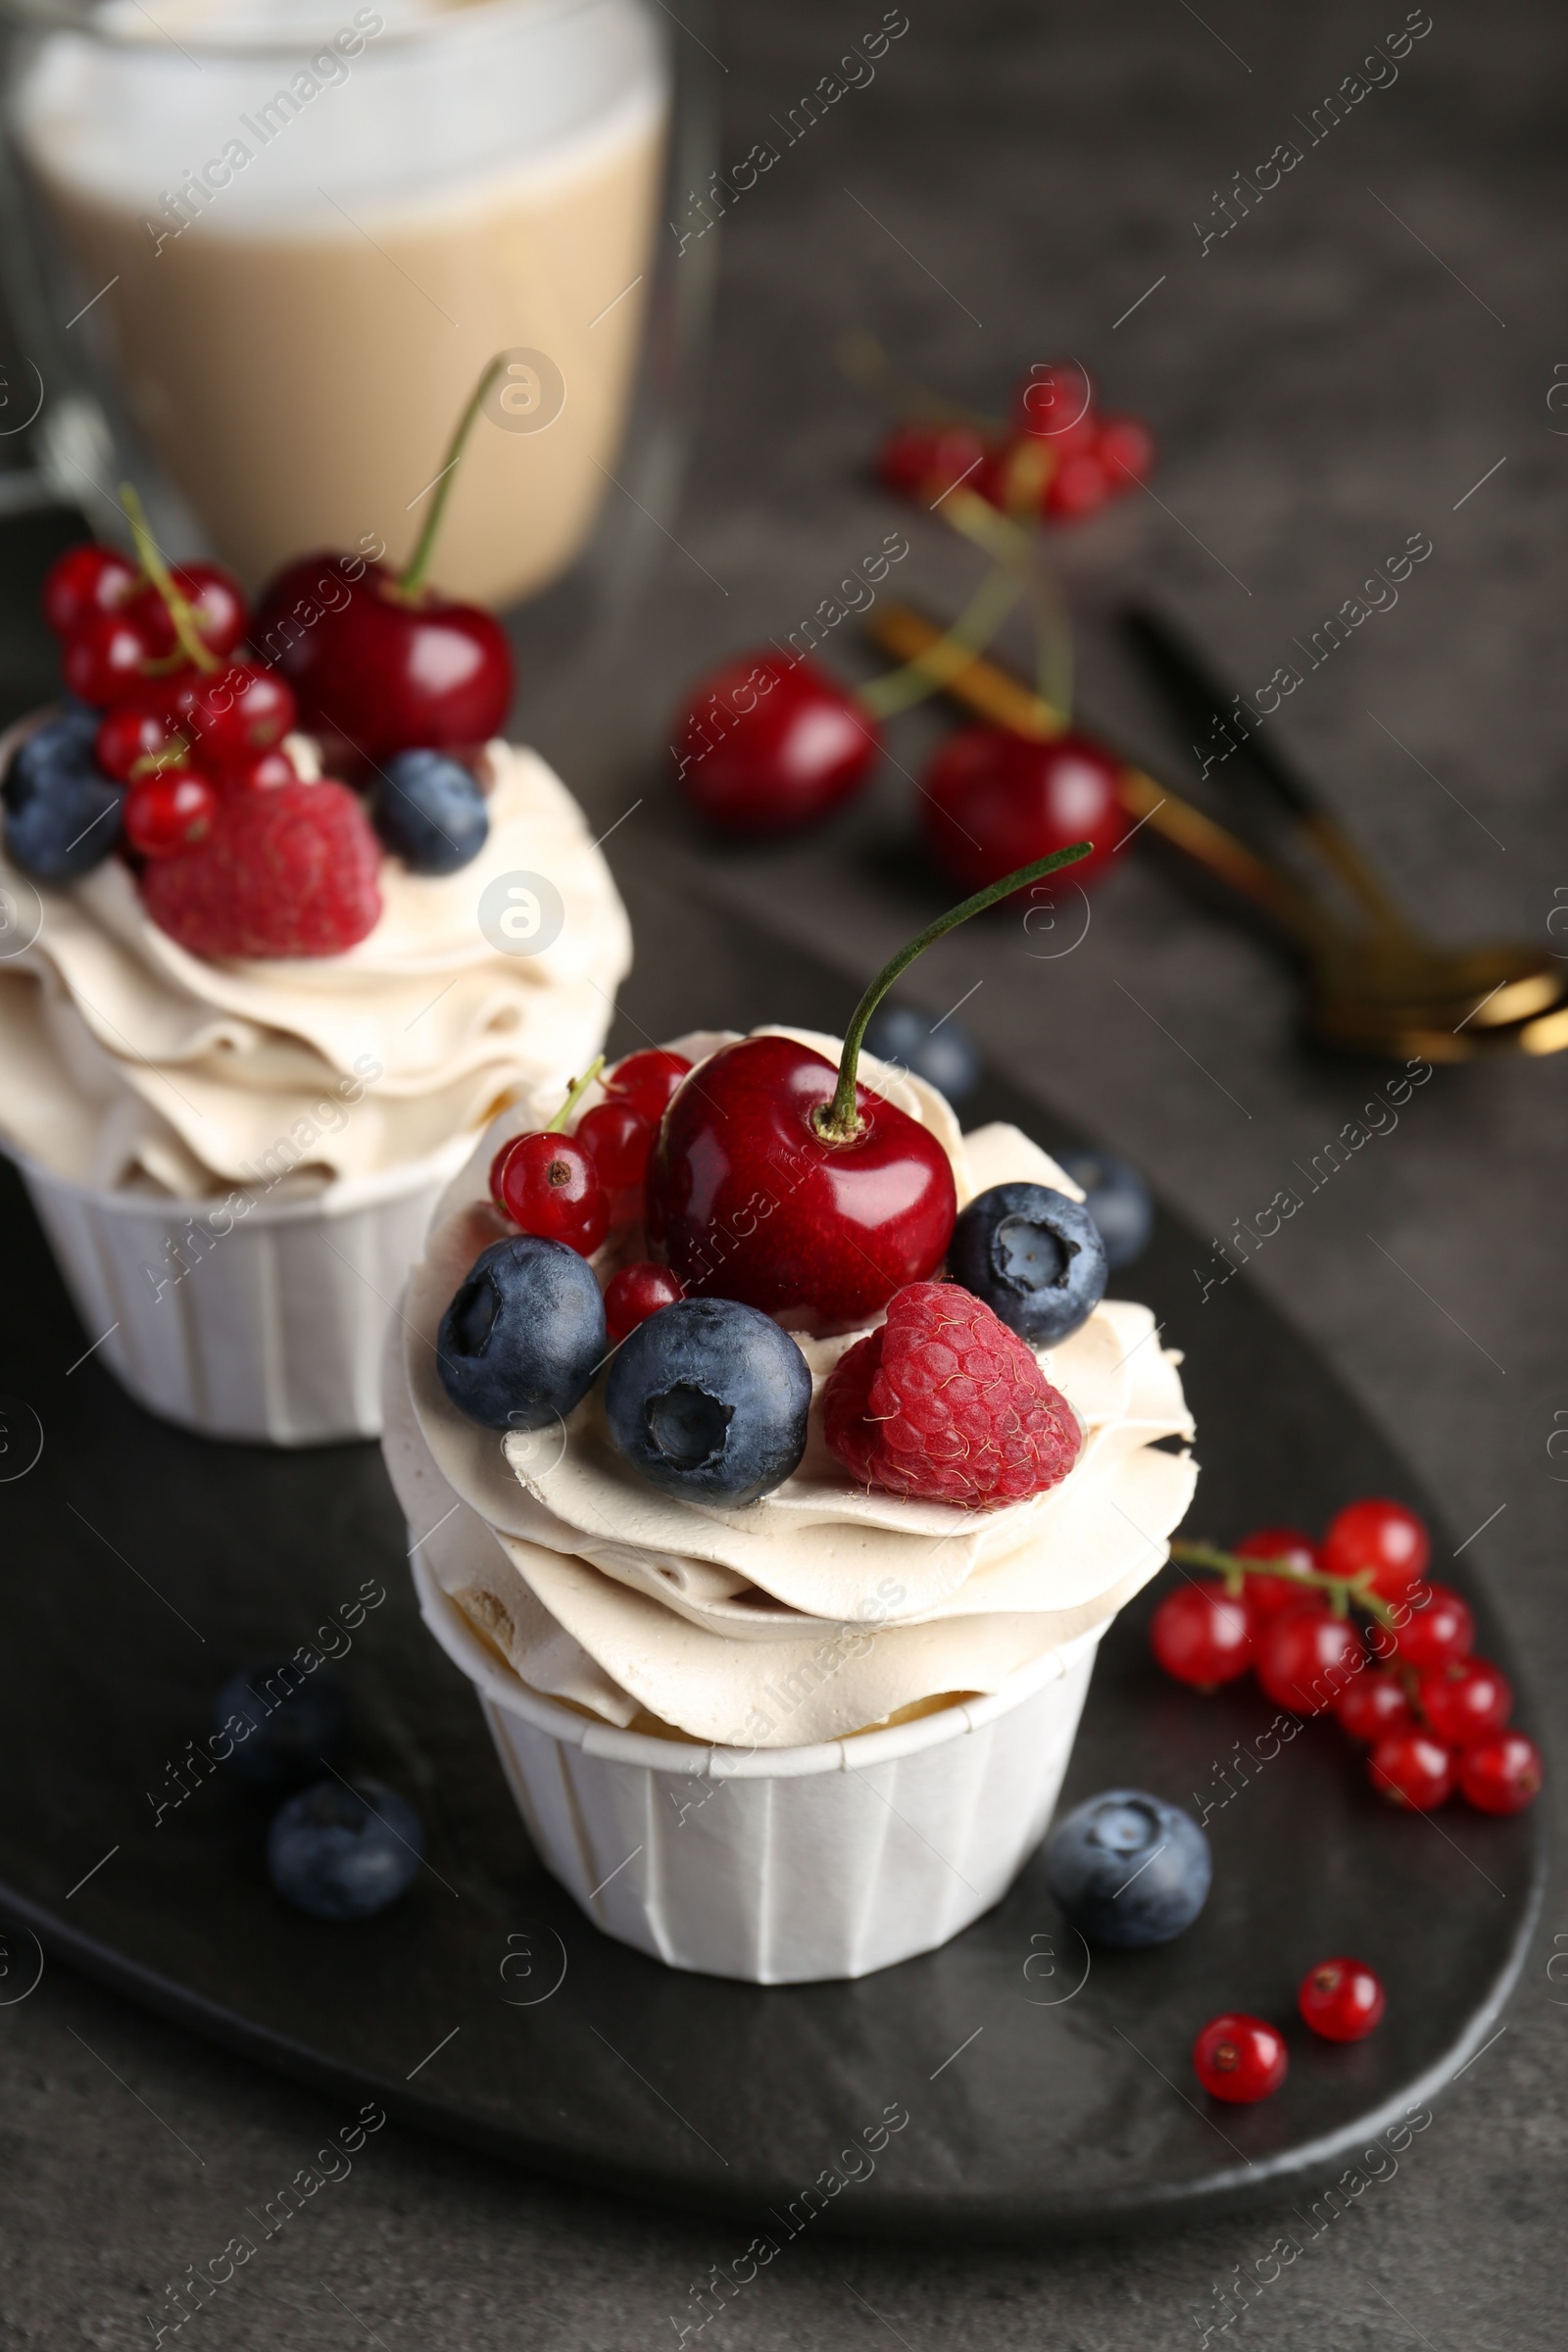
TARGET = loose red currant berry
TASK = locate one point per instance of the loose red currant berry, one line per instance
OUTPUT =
(1440, 1629)
(647, 1081)
(169, 811)
(1465, 1701)
(498, 1169)
(1126, 449)
(236, 712)
(1411, 1768)
(1341, 1999)
(1379, 1536)
(618, 1139)
(1056, 404)
(1271, 1595)
(1307, 1657)
(216, 602)
(134, 729)
(1078, 488)
(1502, 1774)
(1240, 2058)
(919, 454)
(85, 581)
(1201, 1637)
(106, 655)
(550, 1187)
(263, 773)
(1372, 1706)
(637, 1291)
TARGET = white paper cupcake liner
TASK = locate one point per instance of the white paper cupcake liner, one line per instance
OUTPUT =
(268, 1325)
(783, 1866)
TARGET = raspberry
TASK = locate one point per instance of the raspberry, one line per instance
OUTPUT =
(287, 873)
(946, 1403)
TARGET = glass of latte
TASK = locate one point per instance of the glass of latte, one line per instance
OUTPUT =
(263, 249)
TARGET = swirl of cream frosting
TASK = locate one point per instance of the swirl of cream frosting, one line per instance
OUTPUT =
(822, 1609)
(128, 1062)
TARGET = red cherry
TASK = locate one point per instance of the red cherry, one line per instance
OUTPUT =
(1307, 1657)
(617, 1140)
(1056, 404)
(1126, 449)
(1441, 1628)
(107, 655)
(1240, 2058)
(169, 811)
(1341, 1999)
(550, 1186)
(1502, 1774)
(1466, 1700)
(83, 582)
(235, 712)
(1201, 1637)
(1372, 1706)
(1411, 1768)
(749, 1202)
(647, 1081)
(264, 771)
(766, 744)
(382, 672)
(920, 455)
(993, 802)
(217, 604)
(637, 1291)
(1078, 488)
(1381, 1537)
(134, 729)
(1271, 1595)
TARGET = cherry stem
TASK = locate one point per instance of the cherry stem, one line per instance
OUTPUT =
(839, 1122)
(574, 1094)
(152, 562)
(1341, 1590)
(412, 579)
(947, 655)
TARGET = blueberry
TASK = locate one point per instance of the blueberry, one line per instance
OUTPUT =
(429, 811)
(520, 1343)
(341, 1850)
(710, 1399)
(1118, 1202)
(940, 1052)
(1128, 1869)
(299, 1721)
(62, 813)
(1033, 1256)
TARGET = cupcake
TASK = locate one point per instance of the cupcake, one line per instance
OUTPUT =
(251, 1019)
(783, 1623)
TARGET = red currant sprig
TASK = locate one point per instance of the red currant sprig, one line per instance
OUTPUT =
(548, 1184)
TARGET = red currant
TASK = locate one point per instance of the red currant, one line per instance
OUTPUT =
(1240, 2058)
(919, 455)
(235, 712)
(85, 581)
(1201, 1637)
(134, 729)
(1381, 1537)
(169, 811)
(637, 1291)
(1502, 1774)
(1411, 1768)
(105, 654)
(1341, 1999)
(617, 1140)
(1270, 1595)
(216, 602)
(550, 1186)
(1056, 404)
(1440, 1629)
(1307, 1657)
(647, 1081)
(1372, 1706)
(1126, 449)
(263, 772)
(1078, 488)
(1465, 1701)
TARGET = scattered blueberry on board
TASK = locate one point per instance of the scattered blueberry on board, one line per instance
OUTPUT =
(940, 1052)
(344, 1850)
(1118, 1198)
(1128, 1869)
(429, 811)
(710, 1399)
(299, 1722)
(522, 1341)
(1033, 1256)
(62, 815)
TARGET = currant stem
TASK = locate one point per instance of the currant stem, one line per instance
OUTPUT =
(413, 578)
(1341, 1590)
(157, 572)
(574, 1094)
(840, 1122)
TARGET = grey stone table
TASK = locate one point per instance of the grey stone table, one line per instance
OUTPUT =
(1367, 355)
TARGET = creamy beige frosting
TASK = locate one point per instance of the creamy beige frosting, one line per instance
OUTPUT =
(820, 1609)
(125, 1060)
